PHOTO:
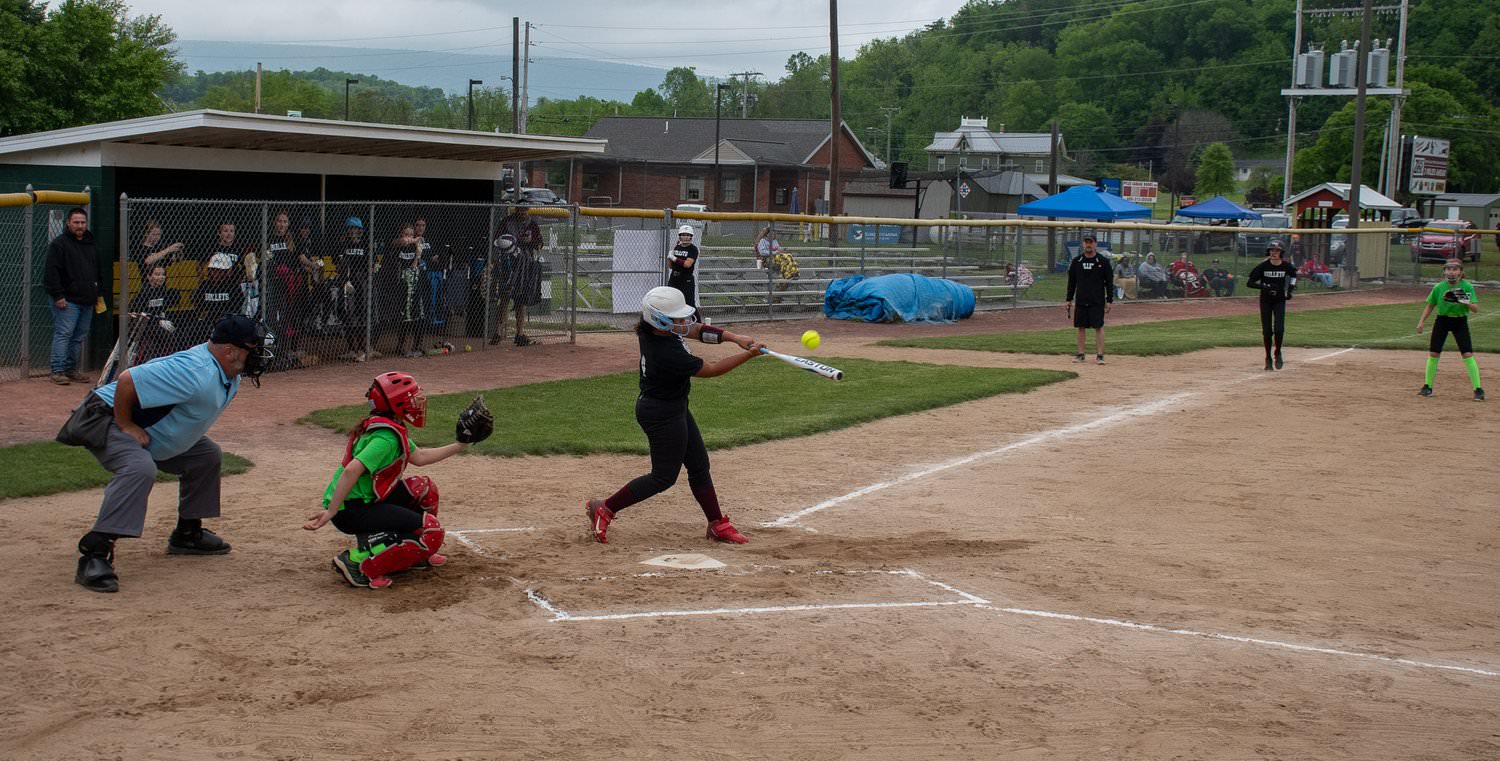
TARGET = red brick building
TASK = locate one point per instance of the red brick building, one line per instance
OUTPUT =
(766, 164)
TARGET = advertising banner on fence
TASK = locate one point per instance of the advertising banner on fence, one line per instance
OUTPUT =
(875, 234)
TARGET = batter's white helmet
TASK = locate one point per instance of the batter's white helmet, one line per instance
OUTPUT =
(662, 305)
(685, 230)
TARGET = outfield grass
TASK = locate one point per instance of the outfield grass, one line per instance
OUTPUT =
(764, 400)
(46, 467)
(1387, 326)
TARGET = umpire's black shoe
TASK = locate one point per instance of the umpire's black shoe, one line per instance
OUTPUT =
(97, 574)
(1478, 394)
(197, 542)
(1426, 391)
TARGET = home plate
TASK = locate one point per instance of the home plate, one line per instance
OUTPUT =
(690, 562)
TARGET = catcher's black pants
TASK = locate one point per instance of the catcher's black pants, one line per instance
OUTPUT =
(1458, 326)
(397, 514)
(675, 442)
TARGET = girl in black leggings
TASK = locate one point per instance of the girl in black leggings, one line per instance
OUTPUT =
(1276, 278)
(662, 411)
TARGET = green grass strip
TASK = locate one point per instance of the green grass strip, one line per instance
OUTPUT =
(1385, 326)
(764, 400)
(40, 468)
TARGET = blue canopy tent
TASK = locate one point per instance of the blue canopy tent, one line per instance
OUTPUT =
(1218, 208)
(1084, 202)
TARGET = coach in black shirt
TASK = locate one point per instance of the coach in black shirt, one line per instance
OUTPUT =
(1091, 279)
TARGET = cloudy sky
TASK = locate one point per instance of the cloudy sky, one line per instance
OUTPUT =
(716, 36)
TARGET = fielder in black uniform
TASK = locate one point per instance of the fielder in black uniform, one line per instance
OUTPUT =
(1091, 279)
(1276, 278)
(667, 368)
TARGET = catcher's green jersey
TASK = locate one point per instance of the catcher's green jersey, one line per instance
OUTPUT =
(1446, 308)
(374, 450)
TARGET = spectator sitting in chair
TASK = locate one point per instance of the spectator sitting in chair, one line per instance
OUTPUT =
(1019, 276)
(1314, 269)
(1125, 280)
(1181, 265)
(1151, 279)
(1219, 279)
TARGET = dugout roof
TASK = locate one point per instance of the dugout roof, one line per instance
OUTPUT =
(92, 145)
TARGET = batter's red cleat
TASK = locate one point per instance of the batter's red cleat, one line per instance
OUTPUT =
(599, 518)
(722, 530)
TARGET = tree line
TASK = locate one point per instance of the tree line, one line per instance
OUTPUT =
(1139, 90)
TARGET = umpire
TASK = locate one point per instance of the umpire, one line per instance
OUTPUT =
(1091, 279)
(161, 411)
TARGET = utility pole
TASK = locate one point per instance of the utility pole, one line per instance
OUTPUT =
(1052, 189)
(1356, 181)
(348, 82)
(515, 94)
(259, 70)
(889, 112)
(526, 79)
(745, 93)
(835, 193)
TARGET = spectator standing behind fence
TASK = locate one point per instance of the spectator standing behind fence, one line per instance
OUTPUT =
(519, 281)
(219, 278)
(150, 252)
(436, 262)
(72, 281)
(401, 255)
(155, 300)
(351, 289)
(1151, 278)
(1090, 279)
(321, 303)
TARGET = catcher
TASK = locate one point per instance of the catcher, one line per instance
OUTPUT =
(393, 518)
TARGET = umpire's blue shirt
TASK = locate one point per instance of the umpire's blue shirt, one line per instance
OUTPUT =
(180, 396)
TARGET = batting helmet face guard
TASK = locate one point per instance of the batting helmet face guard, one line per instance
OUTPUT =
(398, 395)
(663, 306)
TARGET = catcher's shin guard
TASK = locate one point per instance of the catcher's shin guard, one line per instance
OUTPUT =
(407, 552)
(424, 493)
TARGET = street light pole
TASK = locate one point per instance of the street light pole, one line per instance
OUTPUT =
(472, 82)
(348, 82)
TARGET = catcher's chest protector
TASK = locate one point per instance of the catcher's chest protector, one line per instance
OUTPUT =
(386, 478)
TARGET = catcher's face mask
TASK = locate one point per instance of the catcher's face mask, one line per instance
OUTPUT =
(1453, 271)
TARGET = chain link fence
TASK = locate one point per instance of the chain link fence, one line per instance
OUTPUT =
(346, 282)
(29, 221)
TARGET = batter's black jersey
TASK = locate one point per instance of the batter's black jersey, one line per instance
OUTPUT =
(667, 366)
(1275, 281)
(1092, 280)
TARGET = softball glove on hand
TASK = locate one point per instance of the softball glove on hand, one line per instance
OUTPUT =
(475, 423)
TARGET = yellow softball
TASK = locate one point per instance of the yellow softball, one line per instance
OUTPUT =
(811, 339)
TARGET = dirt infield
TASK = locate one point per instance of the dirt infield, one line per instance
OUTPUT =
(1167, 558)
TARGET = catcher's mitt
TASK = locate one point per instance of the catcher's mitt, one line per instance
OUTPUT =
(1457, 296)
(475, 422)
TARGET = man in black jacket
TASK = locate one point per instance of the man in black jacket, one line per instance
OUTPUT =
(1092, 280)
(72, 280)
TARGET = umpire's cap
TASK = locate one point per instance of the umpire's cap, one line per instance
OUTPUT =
(239, 330)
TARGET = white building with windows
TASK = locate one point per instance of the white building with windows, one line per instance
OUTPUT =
(975, 147)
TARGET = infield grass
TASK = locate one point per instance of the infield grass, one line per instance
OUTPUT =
(1385, 326)
(763, 400)
(40, 468)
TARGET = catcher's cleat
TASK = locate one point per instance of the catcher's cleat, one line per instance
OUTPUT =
(1279, 363)
(1478, 394)
(349, 569)
(722, 530)
(197, 542)
(432, 561)
(1426, 391)
(599, 519)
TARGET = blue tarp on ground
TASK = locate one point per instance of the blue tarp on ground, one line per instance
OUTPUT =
(1218, 207)
(888, 298)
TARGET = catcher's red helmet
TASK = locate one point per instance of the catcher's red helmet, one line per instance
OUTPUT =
(398, 395)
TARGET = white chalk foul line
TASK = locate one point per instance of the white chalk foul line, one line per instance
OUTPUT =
(1244, 640)
(462, 535)
(559, 614)
(1140, 410)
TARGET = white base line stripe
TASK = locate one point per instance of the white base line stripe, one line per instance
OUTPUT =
(1149, 408)
(494, 530)
(752, 611)
(464, 540)
(1244, 640)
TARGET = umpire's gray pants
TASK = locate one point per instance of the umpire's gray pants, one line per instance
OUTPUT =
(123, 512)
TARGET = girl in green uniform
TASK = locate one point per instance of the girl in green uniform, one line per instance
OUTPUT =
(1454, 299)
